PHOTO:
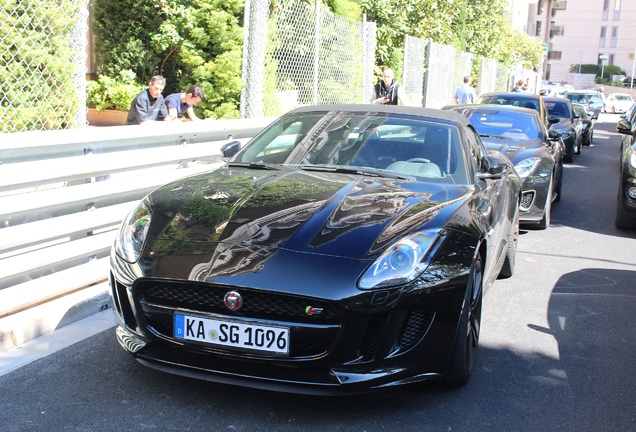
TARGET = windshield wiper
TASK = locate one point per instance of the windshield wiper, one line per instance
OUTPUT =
(491, 136)
(254, 165)
(356, 170)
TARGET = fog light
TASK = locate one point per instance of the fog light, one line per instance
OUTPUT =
(631, 192)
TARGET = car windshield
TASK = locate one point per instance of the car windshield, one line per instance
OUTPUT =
(506, 124)
(378, 144)
(624, 98)
(558, 109)
(577, 98)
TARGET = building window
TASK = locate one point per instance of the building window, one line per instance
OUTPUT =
(537, 31)
(614, 36)
(617, 10)
(560, 5)
(601, 40)
(540, 7)
(611, 59)
(605, 9)
(556, 30)
(554, 55)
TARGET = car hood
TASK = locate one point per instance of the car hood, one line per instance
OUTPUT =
(514, 150)
(315, 212)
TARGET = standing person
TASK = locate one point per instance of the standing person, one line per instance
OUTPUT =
(466, 93)
(178, 103)
(517, 87)
(149, 106)
(388, 91)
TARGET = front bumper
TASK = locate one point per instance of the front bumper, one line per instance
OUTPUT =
(367, 342)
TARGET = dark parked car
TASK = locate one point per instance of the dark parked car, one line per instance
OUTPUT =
(345, 248)
(587, 120)
(629, 82)
(569, 125)
(520, 135)
(524, 100)
(590, 98)
(626, 198)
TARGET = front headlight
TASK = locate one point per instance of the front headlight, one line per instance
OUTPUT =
(527, 166)
(132, 233)
(402, 262)
(632, 158)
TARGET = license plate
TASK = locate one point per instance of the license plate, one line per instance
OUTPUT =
(237, 334)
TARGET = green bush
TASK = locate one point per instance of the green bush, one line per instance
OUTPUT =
(187, 42)
(110, 93)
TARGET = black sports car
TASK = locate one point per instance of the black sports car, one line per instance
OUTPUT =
(569, 125)
(537, 154)
(346, 248)
(626, 198)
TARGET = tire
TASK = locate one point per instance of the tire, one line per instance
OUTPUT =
(558, 189)
(508, 268)
(623, 218)
(544, 223)
(462, 360)
(577, 148)
(568, 156)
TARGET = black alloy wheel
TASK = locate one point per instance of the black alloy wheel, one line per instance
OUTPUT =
(462, 361)
(624, 220)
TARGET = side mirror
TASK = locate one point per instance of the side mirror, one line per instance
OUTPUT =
(553, 120)
(554, 135)
(230, 149)
(495, 170)
(623, 126)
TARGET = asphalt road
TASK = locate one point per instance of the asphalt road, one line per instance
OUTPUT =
(558, 351)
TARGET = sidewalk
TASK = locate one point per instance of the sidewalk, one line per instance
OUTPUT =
(47, 344)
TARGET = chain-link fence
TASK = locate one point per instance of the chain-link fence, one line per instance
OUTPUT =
(42, 69)
(301, 54)
(295, 53)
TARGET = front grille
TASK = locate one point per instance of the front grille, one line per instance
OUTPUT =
(527, 198)
(311, 335)
(256, 304)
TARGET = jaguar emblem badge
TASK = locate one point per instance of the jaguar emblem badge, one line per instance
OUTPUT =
(233, 300)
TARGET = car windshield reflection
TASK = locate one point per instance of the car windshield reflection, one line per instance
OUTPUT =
(384, 145)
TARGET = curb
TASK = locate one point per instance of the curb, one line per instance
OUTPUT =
(19, 328)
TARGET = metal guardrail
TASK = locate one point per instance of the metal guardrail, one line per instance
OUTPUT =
(64, 193)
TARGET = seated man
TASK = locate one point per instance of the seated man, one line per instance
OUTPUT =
(148, 106)
(179, 103)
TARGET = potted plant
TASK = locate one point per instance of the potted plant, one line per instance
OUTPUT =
(109, 99)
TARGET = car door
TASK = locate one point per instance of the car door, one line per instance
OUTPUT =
(492, 203)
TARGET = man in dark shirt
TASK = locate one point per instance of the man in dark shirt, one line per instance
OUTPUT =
(149, 106)
(179, 103)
